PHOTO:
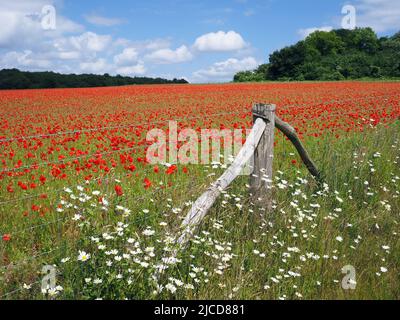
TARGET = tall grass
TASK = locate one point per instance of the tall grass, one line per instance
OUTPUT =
(241, 251)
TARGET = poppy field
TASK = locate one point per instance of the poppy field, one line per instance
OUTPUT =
(77, 193)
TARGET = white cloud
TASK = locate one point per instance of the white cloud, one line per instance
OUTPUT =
(220, 41)
(83, 50)
(26, 60)
(24, 44)
(65, 25)
(90, 41)
(10, 24)
(168, 56)
(304, 33)
(225, 70)
(98, 20)
(69, 55)
(21, 24)
(138, 69)
(98, 66)
(381, 15)
(128, 56)
(155, 44)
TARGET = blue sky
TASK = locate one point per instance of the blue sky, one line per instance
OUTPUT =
(202, 41)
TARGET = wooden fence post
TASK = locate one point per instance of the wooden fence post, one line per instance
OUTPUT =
(203, 204)
(260, 145)
(261, 178)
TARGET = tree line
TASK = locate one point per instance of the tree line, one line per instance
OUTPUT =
(16, 79)
(328, 56)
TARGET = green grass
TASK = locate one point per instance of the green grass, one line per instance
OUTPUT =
(304, 242)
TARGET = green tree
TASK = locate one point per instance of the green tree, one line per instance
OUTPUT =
(335, 55)
(15, 79)
(325, 42)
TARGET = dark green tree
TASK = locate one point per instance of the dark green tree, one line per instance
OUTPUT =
(335, 55)
(15, 79)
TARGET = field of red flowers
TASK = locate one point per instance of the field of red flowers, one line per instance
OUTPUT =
(65, 135)
(51, 140)
(48, 135)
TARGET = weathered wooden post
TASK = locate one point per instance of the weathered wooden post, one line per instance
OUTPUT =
(261, 178)
(260, 145)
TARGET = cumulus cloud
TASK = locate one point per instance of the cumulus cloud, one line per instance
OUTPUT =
(220, 41)
(98, 20)
(26, 45)
(155, 44)
(90, 41)
(381, 15)
(25, 59)
(304, 33)
(98, 66)
(225, 70)
(128, 56)
(84, 47)
(138, 69)
(69, 55)
(21, 24)
(169, 56)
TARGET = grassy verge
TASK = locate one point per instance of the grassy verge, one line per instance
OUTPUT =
(297, 251)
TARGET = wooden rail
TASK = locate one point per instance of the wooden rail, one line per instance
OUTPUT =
(291, 134)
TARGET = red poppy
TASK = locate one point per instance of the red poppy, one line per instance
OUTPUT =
(119, 191)
(22, 185)
(147, 183)
(171, 169)
(7, 237)
(132, 168)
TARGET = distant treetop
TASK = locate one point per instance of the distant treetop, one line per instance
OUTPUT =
(336, 55)
(15, 79)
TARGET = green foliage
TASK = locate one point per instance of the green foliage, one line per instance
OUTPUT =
(325, 43)
(15, 79)
(328, 56)
(252, 76)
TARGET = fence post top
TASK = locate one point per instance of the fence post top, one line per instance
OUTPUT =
(263, 108)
